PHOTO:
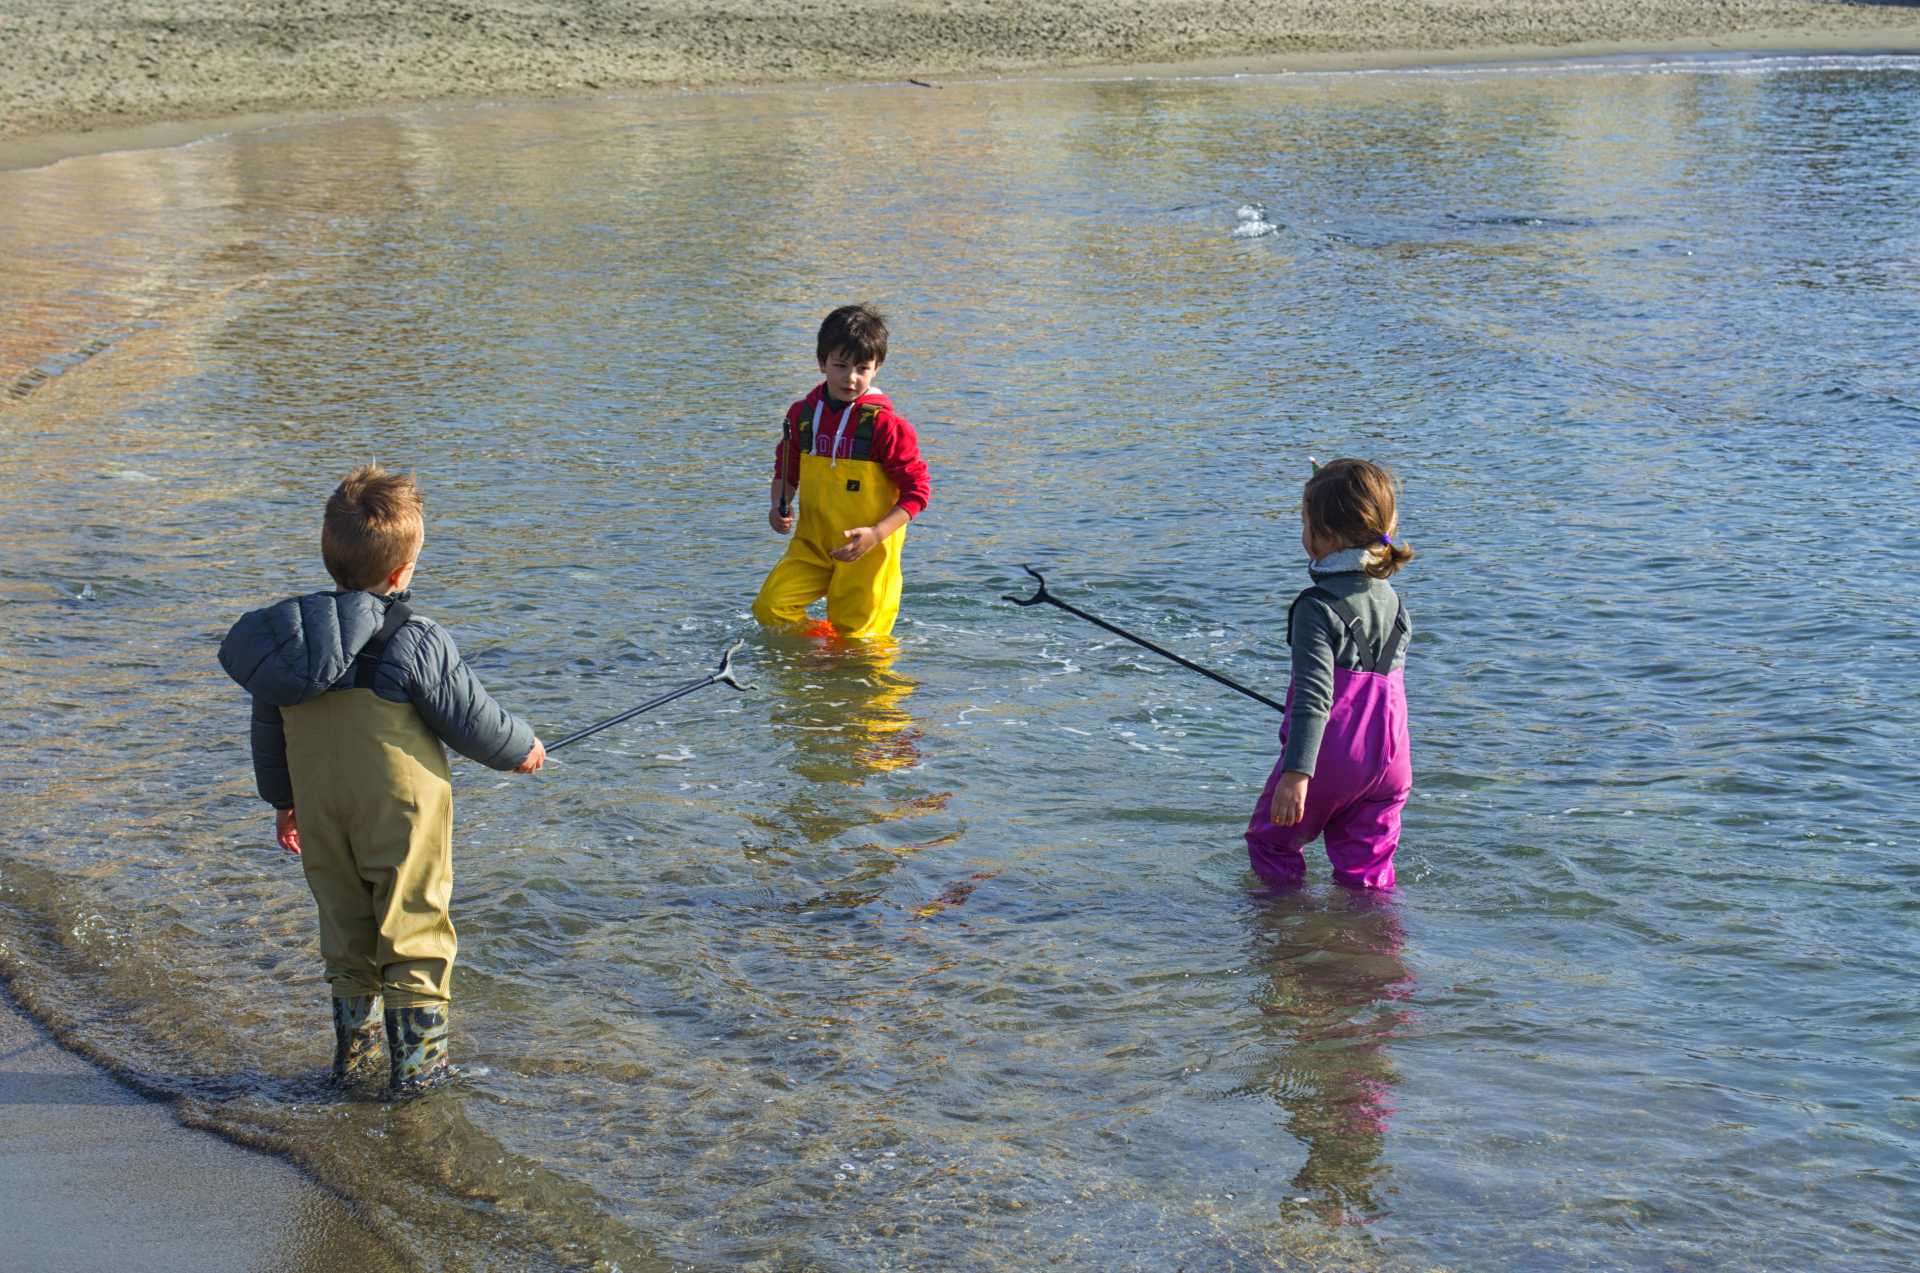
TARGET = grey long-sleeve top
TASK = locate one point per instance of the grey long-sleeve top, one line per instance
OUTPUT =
(300, 648)
(1321, 642)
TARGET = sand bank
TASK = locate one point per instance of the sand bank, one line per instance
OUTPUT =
(98, 1177)
(94, 64)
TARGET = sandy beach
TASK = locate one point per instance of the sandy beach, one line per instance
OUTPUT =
(112, 64)
(97, 1176)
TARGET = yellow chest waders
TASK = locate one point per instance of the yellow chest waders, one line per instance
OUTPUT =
(375, 807)
(837, 495)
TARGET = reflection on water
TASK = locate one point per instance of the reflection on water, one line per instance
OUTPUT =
(838, 711)
(1335, 998)
(943, 951)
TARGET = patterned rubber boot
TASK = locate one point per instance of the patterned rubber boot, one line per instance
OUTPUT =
(417, 1047)
(356, 1036)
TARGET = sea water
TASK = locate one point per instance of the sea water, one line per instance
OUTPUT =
(943, 952)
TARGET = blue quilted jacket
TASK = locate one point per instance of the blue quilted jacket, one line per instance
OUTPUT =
(300, 648)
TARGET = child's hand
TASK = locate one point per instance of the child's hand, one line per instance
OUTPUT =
(287, 831)
(535, 758)
(781, 522)
(1290, 799)
(860, 542)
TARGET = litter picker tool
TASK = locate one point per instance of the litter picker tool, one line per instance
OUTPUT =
(724, 675)
(1044, 596)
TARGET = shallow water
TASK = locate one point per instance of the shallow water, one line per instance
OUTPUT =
(944, 951)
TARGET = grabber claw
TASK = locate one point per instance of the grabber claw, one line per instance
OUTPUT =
(1037, 597)
(725, 675)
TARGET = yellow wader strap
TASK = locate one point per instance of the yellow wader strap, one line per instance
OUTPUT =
(863, 426)
(862, 448)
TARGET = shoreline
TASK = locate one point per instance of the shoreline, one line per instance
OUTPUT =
(99, 1175)
(41, 150)
(115, 75)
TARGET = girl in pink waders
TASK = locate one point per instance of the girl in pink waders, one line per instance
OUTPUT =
(1344, 772)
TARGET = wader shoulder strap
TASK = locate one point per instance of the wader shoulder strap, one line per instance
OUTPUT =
(1318, 594)
(1396, 640)
(367, 662)
(1372, 658)
(800, 435)
(863, 432)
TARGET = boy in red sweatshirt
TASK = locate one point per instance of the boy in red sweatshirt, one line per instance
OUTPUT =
(855, 465)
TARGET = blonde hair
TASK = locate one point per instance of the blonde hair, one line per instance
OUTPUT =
(1351, 503)
(375, 524)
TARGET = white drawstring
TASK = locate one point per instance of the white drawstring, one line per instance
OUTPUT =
(833, 451)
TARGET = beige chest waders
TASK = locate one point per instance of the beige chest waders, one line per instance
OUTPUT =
(375, 808)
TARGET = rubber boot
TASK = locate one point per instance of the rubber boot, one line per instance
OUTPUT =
(417, 1046)
(356, 1036)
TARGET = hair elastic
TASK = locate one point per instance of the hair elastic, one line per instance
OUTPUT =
(1387, 540)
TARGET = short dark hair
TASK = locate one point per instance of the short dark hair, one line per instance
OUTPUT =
(375, 523)
(859, 331)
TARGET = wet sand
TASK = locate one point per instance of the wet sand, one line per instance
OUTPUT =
(80, 67)
(96, 1176)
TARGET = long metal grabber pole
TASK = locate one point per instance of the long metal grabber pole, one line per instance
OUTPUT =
(1044, 596)
(724, 676)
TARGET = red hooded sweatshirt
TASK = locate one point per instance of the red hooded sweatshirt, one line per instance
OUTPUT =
(894, 447)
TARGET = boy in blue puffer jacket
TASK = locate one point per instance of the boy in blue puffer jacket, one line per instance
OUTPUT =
(353, 695)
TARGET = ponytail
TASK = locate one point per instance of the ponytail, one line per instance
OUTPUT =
(1386, 560)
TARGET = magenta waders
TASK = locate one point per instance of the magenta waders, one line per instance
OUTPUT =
(1361, 778)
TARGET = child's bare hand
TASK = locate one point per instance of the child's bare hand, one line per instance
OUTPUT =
(535, 758)
(781, 522)
(860, 542)
(287, 831)
(1290, 799)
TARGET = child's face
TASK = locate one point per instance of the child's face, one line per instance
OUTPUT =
(847, 378)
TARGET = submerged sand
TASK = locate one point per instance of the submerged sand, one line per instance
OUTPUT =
(79, 65)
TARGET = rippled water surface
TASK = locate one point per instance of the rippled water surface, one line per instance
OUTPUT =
(944, 952)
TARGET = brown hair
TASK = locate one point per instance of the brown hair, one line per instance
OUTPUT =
(858, 331)
(1351, 503)
(375, 524)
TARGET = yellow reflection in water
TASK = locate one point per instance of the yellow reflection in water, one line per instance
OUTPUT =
(842, 707)
(839, 722)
